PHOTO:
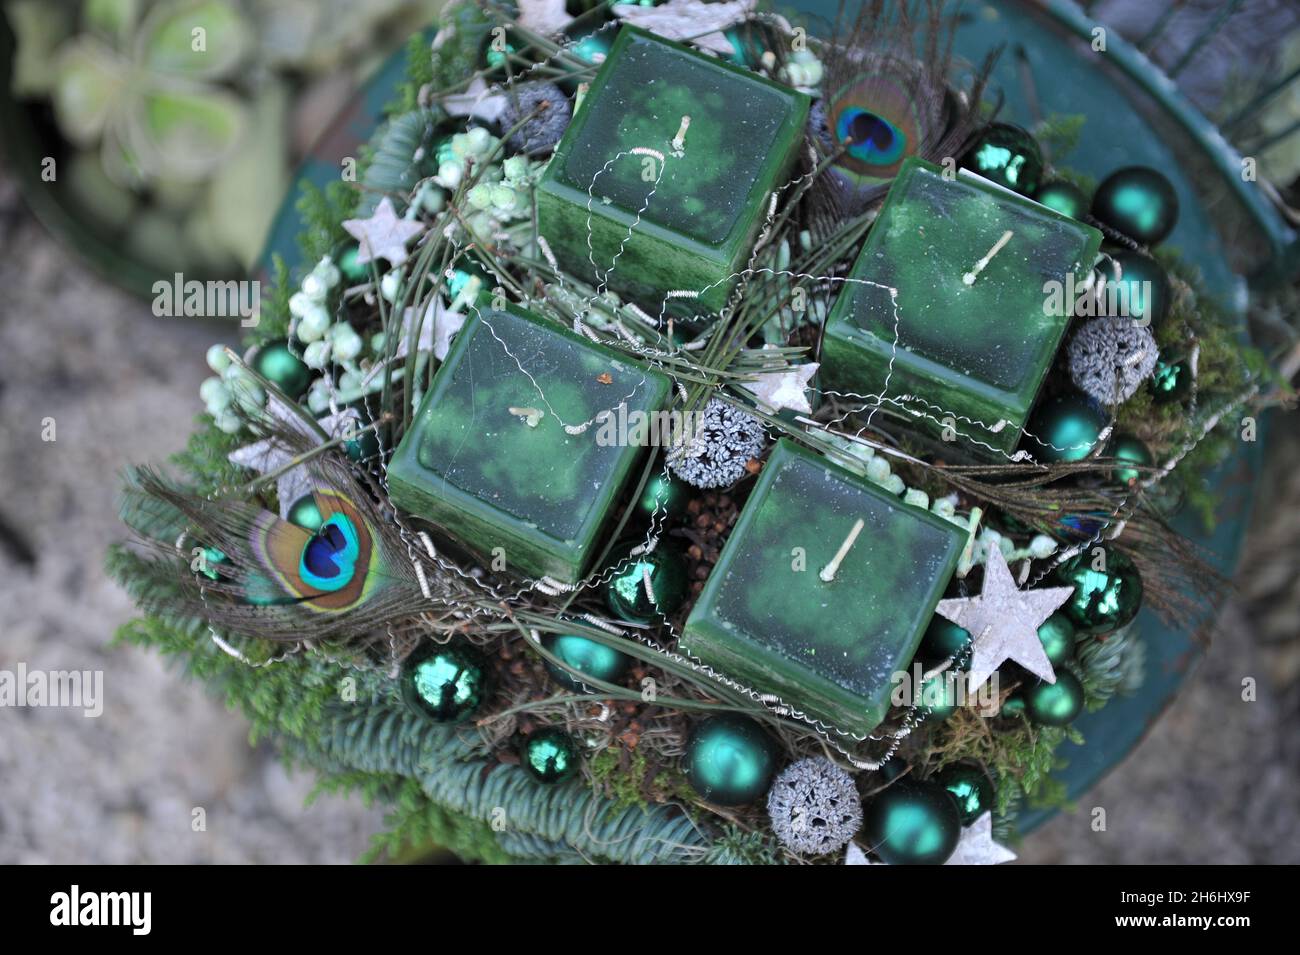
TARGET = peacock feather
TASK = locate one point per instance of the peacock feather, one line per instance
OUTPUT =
(880, 105)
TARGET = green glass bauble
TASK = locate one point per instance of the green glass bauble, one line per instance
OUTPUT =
(939, 696)
(1136, 286)
(590, 47)
(1012, 706)
(212, 559)
(1066, 428)
(729, 760)
(664, 495)
(1138, 202)
(281, 367)
(549, 755)
(353, 270)
(1057, 637)
(943, 640)
(1007, 155)
(1128, 448)
(445, 683)
(595, 659)
(1063, 197)
(970, 786)
(625, 592)
(305, 513)
(1055, 704)
(1171, 381)
(1103, 600)
(912, 823)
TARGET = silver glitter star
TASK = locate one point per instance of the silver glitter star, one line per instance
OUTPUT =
(438, 328)
(269, 455)
(855, 856)
(976, 846)
(547, 17)
(783, 387)
(478, 101)
(383, 235)
(701, 23)
(1003, 621)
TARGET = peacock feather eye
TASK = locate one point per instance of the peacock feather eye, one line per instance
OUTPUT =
(329, 558)
(876, 120)
(870, 138)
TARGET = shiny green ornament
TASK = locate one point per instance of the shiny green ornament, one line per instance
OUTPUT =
(1055, 704)
(212, 557)
(549, 755)
(626, 595)
(1103, 600)
(1057, 637)
(665, 496)
(1138, 202)
(1012, 707)
(1171, 381)
(282, 368)
(353, 270)
(1136, 286)
(306, 513)
(1007, 155)
(943, 640)
(591, 48)
(596, 660)
(730, 760)
(939, 696)
(1063, 197)
(1066, 428)
(1128, 448)
(912, 823)
(970, 786)
(446, 684)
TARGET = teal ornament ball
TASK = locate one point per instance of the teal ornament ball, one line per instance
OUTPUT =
(1057, 637)
(939, 696)
(595, 659)
(626, 594)
(1104, 599)
(1063, 197)
(663, 498)
(1136, 286)
(943, 640)
(970, 787)
(1138, 202)
(305, 513)
(446, 684)
(1054, 704)
(1008, 156)
(1012, 707)
(730, 760)
(353, 270)
(912, 823)
(1128, 448)
(549, 755)
(1065, 428)
(282, 368)
(1171, 381)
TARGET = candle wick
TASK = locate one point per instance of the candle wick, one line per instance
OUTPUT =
(679, 141)
(970, 277)
(829, 571)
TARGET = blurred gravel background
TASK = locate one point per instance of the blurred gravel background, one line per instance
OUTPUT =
(1218, 780)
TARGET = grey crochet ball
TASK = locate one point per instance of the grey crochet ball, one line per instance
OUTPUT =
(1111, 357)
(542, 131)
(814, 807)
(725, 441)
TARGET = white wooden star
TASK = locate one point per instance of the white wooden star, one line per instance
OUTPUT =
(547, 17)
(783, 388)
(1003, 621)
(478, 101)
(976, 846)
(701, 23)
(438, 328)
(384, 235)
(270, 455)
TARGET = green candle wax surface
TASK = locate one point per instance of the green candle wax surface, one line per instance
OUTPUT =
(473, 464)
(973, 351)
(690, 221)
(830, 649)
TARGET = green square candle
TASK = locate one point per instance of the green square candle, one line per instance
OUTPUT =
(974, 341)
(769, 619)
(714, 187)
(487, 460)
